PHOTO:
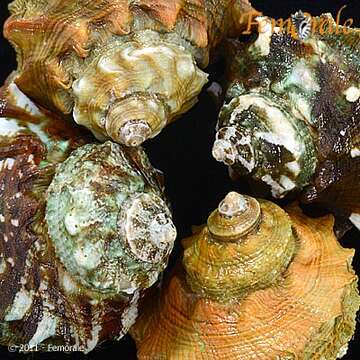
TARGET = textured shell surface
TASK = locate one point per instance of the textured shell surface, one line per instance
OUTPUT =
(84, 230)
(109, 225)
(291, 117)
(124, 68)
(290, 315)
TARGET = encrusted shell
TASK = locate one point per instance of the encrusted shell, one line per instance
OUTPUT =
(107, 221)
(292, 115)
(84, 230)
(306, 311)
(125, 68)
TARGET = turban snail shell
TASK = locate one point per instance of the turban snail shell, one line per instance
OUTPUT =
(124, 68)
(84, 230)
(257, 283)
(292, 115)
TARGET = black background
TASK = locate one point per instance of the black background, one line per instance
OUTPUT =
(195, 182)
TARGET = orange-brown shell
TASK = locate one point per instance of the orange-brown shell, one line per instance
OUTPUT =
(54, 37)
(309, 314)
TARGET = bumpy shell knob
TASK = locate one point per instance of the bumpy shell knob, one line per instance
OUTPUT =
(305, 310)
(291, 116)
(110, 230)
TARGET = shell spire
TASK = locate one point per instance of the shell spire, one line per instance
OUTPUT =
(235, 217)
(124, 69)
(264, 294)
(291, 114)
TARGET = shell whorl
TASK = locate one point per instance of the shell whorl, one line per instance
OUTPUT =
(236, 216)
(246, 246)
(110, 229)
(126, 93)
(263, 137)
(110, 207)
(294, 318)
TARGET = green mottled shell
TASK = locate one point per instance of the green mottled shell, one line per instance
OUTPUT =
(110, 229)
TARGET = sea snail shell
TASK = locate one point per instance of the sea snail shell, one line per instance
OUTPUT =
(282, 289)
(124, 68)
(84, 227)
(291, 118)
(128, 95)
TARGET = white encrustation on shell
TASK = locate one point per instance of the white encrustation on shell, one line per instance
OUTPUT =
(355, 219)
(254, 143)
(290, 120)
(233, 205)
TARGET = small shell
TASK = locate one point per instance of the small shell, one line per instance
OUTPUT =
(292, 116)
(75, 263)
(305, 311)
(124, 68)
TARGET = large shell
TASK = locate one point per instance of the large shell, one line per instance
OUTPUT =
(292, 114)
(84, 230)
(125, 68)
(304, 309)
